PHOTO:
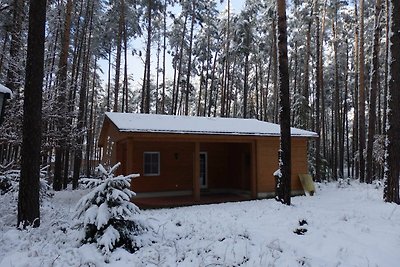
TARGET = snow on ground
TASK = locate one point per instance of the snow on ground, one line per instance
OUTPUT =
(349, 226)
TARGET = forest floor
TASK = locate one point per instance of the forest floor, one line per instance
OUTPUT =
(339, 226)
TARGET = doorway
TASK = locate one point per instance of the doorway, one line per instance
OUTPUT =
(203, 170)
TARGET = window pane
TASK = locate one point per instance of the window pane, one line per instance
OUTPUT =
(151, 162)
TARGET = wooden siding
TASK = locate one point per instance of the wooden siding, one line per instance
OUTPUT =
(267, 163)
(176, 166)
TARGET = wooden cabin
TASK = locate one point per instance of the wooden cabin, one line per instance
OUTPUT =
(195, 156)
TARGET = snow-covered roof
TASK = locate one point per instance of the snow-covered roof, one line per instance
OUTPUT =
(155, 123)
(5, 90)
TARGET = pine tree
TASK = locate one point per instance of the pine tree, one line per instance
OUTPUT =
(106, 214)
(284, 115)
(28, 198)
(392, 173)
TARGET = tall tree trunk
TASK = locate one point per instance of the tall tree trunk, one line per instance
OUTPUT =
(374, 91)
(317, 96)
(361, 97)
(275, 107)
(322, 89)
(336, 119)
(164, 56)
(284, 186)
(226, 63)
(82, 97)
(178, 82)
(146, 88)
(189, 67)
(62, 105)
(212, 85)
(386, 85)
(208, 63)
(125, 87)
(392, 170)
(345, 120)
(305, 116)
(28, 195)
(108, 107)
(118, 56)
(356, 165)
(158, 74)
(90, 128)
(246, 71)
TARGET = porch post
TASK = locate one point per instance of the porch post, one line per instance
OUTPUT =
(253, 181)
(196, 172)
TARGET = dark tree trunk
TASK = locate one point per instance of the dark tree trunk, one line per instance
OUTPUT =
(189, 67)
(164, 56)
(125, 87)
(361, 96)
(28, 196)
(246, 72)
(386, 82)
(145, 108)
(374, 90)
(317, 98)
(284, 187)
(305, 116)
(118, 56)
(82, 99)
(275, 108)
(178, 82)
(62, 105)
(392, 173)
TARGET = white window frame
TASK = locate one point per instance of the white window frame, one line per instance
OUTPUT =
(144, 163)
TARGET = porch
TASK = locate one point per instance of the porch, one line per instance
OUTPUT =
(201, 169)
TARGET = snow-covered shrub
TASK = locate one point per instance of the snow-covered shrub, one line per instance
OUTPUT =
(343, 182)
(106, 214)
(8, 178)
(9, 181)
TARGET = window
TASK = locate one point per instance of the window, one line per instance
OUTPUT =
(151, 163)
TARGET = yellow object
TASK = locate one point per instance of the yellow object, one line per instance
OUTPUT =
(307, 183)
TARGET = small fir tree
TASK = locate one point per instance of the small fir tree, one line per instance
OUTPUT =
(107, 215)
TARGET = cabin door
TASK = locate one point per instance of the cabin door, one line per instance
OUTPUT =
(203, 169)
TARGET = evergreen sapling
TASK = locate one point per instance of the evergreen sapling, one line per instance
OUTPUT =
(107, 215)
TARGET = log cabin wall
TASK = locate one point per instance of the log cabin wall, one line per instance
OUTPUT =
(267, 162)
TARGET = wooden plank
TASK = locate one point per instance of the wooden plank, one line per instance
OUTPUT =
(307, 183)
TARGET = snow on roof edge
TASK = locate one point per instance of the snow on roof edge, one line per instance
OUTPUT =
(157, 123)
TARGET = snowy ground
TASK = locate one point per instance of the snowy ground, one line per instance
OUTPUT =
(344, 227)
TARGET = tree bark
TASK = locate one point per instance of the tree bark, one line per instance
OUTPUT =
(28, 196)
(392, 170)
(82, 98)
(118, 56)
(62, 105)
(373, 95)
(361, 96)
(285, 140)
(317, 97)
(189, 67)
